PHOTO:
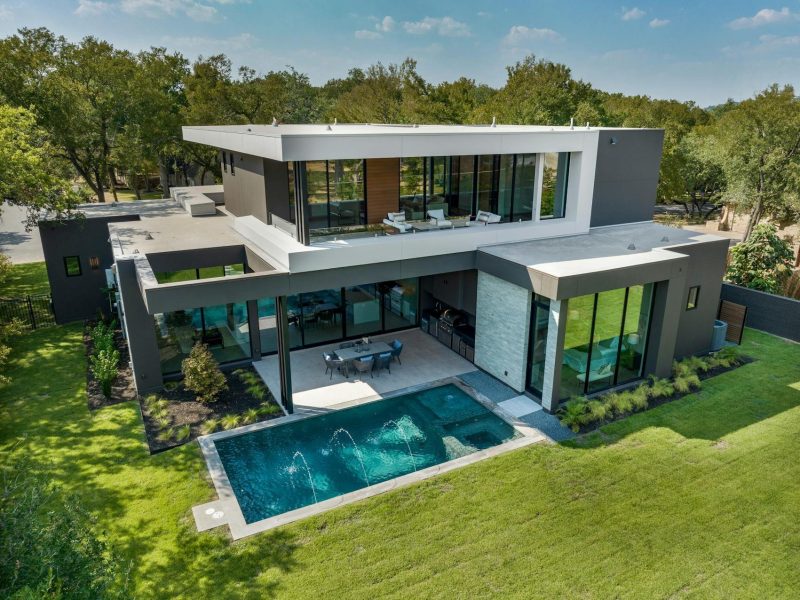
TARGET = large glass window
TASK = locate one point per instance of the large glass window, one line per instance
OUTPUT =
(412, 187)
(292, 198)
(605, 339)
(400, 300)
(461, 196)
(540, 320)
(505, 186)
(317, 192)
(554, 185)
(224, 329)
(487, 187)
(346, 192)
(363, 312)
(267, 326)
(524, 187)
(438, 178)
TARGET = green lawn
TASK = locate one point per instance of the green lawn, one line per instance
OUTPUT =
(696, 498)
(125, 195)
(24, 279)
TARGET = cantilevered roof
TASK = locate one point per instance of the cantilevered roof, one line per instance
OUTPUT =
(330, 141)
(605, 258)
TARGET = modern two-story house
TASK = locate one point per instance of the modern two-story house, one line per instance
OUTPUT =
(530, 251)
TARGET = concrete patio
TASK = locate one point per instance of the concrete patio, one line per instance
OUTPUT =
(424, 360)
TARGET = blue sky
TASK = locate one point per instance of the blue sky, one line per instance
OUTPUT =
(706, 51)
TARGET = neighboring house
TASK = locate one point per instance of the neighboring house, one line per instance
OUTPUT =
(528, 250)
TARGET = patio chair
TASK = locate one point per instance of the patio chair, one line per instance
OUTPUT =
(486, 217)
(397, 348)
(437, 218)
(332, 362)
(383, 361)
(362, 365)
(397, 221)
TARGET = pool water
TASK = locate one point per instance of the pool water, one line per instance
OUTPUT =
(282, 468)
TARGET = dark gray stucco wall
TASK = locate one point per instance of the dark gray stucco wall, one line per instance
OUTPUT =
(706, 268)
(777, 315)
(626, 176)
(277, 182)
(245, 192)
(78, 297)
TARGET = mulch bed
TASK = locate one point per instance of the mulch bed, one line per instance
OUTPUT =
(123, 388)
(184, 409)
(655, 402)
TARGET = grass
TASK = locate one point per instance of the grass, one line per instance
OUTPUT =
(698, 498)
(125, 195)
(24, 279)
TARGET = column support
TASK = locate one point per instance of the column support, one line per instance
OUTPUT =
(252, 325)
(556, 329)
(284, 363)
(301, 202)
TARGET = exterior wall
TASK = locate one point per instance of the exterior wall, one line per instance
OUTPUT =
(383, 188)
(79, 297)
(245, 189)
(276, 175)
(706, 269)
(626, 176)
(501, 330)
(777, 315)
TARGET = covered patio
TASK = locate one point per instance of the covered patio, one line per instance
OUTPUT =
(424, 360)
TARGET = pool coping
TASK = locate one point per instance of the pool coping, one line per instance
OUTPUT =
(226, 510)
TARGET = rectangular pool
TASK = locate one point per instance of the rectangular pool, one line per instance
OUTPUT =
(285, 467)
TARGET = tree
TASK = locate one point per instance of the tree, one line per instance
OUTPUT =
(31, 173)
(762, 262)
(201, 374)
(48, 540)
(757, 142)
(6, 329)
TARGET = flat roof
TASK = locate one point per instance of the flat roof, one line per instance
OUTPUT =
(285, 142)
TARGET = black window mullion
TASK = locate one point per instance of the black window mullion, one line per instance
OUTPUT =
(328, 193)
(343, 305)
(591, 343)
(621, 333)
(513, 186)
(475, 163)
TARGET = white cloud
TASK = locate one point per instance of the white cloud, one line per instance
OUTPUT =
(656, 23)
(445, 26)
(162, 8)
(778, 41)
(632, 14)
(766, 16)
(210, 45)
(367, 34)
(520, 34)
(386, 24)
(483, 14)
(90, 8)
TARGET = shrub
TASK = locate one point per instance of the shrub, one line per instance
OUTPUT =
(639, 397)
(686, 383)
(182, 433)
(251, 415)
(230, 421)
(104, 367)
(762, 262)
(729, 356)
(253, 384)
(620, 403)
(573, 413)
(102, 335)
(696, 364)
(268, 408)
(596, 410)
(660, 388)
(171, 386)
(210, 426)
(162, 421)
(201, 374)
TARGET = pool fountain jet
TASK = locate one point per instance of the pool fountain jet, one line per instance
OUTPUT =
(405, 439)
(308, 472)
(358, 450)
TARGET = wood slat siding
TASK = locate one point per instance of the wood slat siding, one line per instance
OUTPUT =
(383, 188)
(734, 315)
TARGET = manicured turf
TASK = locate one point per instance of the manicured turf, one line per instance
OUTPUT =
(28, 278)
(696, 498)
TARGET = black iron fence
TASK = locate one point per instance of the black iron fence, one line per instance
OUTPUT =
(32, 312)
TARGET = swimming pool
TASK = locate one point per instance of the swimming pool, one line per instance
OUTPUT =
(289, 466)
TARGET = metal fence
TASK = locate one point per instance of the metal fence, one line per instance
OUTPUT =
(32, 312)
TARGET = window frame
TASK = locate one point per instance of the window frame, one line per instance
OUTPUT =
(692, 305)
(78, 263)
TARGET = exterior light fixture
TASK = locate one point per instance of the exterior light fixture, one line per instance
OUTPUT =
(631, 246)
(94, 262)
(572, 123)
(494, 121)
(612, 141)
(665, 239)
(149, 236)
(274, 122)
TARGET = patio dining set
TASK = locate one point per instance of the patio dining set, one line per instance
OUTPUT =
(362, 357)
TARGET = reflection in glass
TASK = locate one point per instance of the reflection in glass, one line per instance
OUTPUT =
(317, 193)
(437, 186)
(554, 185)
(608, 318)
(540, 320)
(576, 345)
(486, 183)
(412, 188)
(505, 186)
(363, 312)
(346, 192)
(524, 187)
(634, 337)
(400, 303)
(267, 327)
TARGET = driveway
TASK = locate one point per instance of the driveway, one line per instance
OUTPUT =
(20, 245)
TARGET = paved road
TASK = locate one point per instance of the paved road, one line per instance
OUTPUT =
(22, 246)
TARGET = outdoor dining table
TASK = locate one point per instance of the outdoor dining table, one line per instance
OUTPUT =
(371, 349)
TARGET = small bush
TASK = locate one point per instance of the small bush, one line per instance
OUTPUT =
(253, 384)
(268, 408)
(729, 356)
(209, 426)
(102, 335)
(660, 388)
(639, 397)
(104, 368)
(251, 415)
(596, 410)
(171, 386)
(573, 413)
(166, 435)
(686, 383)
(162, 421)
(182, 433)
(202, 375)
(620, 403)
(230, 421)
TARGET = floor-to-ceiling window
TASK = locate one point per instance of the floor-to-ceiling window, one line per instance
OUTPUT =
(487, 186)
(346, 192)
(605, 339)
(267, 326)
(554, 185)
(540, 320)
(412, 187)
(317, 193)
(224, 329)
(400, 302)
(463, 186)
(437, 186)
(363, 309)
(505, 187)
(524, 187)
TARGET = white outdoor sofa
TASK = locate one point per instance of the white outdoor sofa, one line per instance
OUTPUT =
(398, 221)
(486, 217)
(436, 217)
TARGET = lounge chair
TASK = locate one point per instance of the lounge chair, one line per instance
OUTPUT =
(604, 372)
(398, 221)
(487, 217)
(437, 218)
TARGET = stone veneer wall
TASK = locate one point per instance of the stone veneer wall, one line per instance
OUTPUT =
(501, 329)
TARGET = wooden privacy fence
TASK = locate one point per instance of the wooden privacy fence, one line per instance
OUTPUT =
(32, 312)
(735, 316)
